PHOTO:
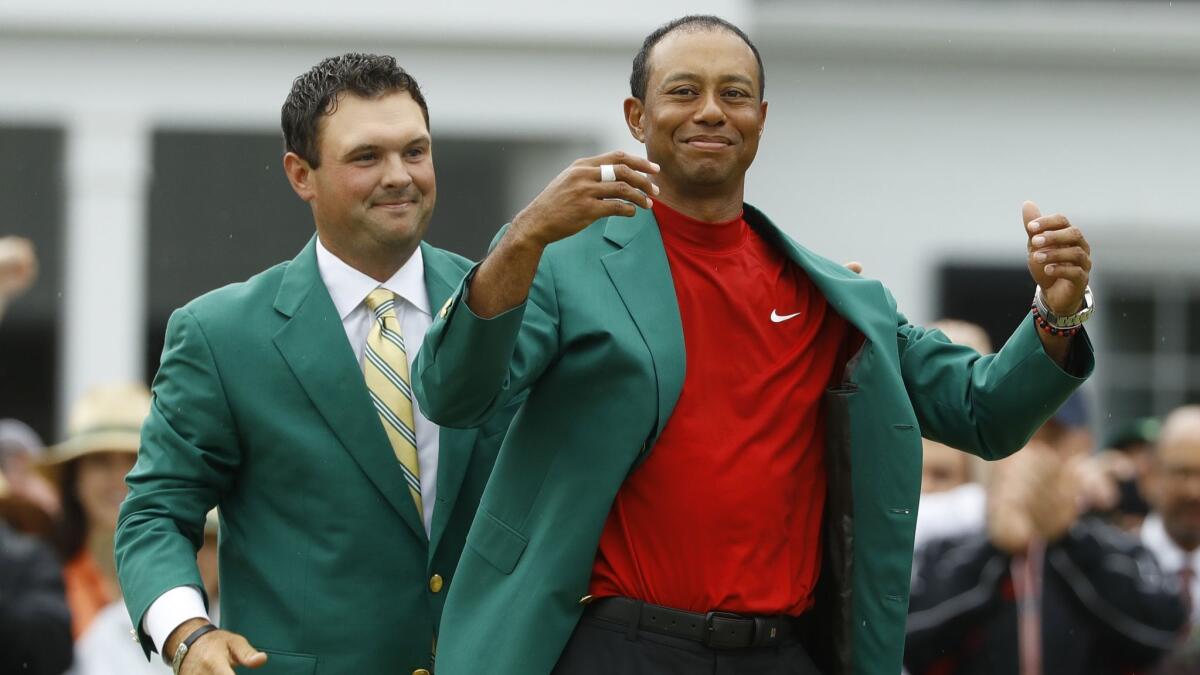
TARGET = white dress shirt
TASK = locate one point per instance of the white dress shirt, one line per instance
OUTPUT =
(951, 513)
(1171, 558)
(349, 289)
(105, 647)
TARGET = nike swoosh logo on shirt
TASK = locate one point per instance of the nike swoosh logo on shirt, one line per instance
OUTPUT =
(775, 318)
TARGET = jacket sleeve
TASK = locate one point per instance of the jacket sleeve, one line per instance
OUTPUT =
(188, 457)
(1138, 610)
(35, 624)
(956, 590)
(469, 368)
(988, 405)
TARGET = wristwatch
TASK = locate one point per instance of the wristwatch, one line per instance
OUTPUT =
(1069, 321)
(182, 650)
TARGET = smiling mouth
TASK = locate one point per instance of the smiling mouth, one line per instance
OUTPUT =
(703, 143)
(394, 205)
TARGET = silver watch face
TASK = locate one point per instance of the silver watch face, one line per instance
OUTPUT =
(1070, 321)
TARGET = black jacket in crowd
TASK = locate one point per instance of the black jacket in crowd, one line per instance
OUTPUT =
(1106, 607)
(35, 624)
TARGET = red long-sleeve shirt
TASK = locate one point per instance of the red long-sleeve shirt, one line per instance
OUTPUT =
(726, 512)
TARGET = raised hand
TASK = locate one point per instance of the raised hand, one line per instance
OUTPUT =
(589, 189)
(1060, 259)
(580, 195)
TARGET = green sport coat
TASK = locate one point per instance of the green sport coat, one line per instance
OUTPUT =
(598, 346)
(260, 408)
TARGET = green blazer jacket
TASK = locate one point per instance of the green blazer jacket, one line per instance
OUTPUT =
(261, 409)
(598, 346)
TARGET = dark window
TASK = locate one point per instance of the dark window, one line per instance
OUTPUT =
(221, 209)
(996, 297)
(31, 201)
(1129, 319)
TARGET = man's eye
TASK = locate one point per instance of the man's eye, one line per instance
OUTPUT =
(683, 91)
(734, 93)
(416, 152)
(365, 157)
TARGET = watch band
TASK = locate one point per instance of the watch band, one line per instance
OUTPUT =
(1069, 321)
(182, 650)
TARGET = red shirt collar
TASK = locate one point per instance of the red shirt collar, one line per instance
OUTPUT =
(679, 229)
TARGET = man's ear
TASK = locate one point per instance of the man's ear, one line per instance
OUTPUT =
(634, 109)
(763, 117)
(300, 175)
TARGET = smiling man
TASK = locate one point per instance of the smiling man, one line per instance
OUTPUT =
(717, 465)
(285, 401)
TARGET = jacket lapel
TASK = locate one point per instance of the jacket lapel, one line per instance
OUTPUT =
(314, 345)
(442, 277)
(642, 276)
(854, 298)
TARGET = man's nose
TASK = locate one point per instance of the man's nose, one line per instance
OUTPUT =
(710, 112)
(395, 173)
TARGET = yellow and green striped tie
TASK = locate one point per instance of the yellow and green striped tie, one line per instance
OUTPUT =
(385, 366)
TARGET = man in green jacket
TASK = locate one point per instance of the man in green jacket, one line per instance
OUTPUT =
(717, 465)
(285, 402)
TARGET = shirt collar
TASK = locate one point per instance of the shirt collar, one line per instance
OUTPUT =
(1171, 557)
(348, 287)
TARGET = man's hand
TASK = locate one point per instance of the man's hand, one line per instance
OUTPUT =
(1033, 493)
(1009, 525)
(215, 653)
(18, 266)
(573, 200)
(578, 197)
(1060, 259)
(1054, 507)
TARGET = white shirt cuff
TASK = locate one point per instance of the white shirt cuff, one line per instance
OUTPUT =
(170, 610)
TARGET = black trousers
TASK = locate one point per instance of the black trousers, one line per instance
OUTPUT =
(600, 647)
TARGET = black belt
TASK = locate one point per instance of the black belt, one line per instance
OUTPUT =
(719, 630)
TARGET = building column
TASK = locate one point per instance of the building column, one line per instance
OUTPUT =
(104, 295)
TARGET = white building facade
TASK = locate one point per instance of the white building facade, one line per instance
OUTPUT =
(903, 135)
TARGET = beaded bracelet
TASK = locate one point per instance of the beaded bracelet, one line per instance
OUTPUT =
(1057, 332)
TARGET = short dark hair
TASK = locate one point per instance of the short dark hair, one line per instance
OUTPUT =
(693, 23)
(316, 93)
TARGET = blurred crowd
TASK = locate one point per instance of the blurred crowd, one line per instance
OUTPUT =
(1070, 557)
(60, 603)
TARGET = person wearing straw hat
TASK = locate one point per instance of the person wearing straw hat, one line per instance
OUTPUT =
(285, 401)
(106, 648)
(89, 468)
